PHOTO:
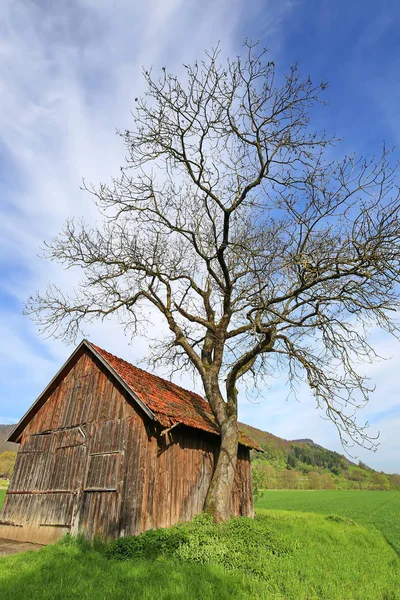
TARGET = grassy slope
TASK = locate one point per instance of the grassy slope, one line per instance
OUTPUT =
(379, 509)
(2, 495)
(280, 555)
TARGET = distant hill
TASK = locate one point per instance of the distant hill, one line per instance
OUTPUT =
(303, 464)
(5, 431)
(276, 447)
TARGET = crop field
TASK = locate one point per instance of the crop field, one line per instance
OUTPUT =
(380, 510)
(2, 495)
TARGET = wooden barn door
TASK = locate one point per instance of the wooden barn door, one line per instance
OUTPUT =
(99, 506)
(68, 480)
(48, 475)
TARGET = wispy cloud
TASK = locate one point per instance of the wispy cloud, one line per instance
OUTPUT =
(68, 75)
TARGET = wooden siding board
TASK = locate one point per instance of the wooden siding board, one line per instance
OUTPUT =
(141, 452)
(126, 487)
(50, 407)
(62, 400)
(92, 395)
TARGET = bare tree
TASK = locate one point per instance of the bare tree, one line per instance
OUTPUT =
(259, 251)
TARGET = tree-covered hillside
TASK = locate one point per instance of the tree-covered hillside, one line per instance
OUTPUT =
(302, 464)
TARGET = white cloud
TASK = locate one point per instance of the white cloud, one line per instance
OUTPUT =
(68, 75)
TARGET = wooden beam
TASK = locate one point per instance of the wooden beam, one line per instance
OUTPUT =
(165, 431)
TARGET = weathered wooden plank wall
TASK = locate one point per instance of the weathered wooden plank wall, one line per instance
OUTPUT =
(90, 461)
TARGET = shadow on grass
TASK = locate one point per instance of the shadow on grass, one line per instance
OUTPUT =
(62, 573)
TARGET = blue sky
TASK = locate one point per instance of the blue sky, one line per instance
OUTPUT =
(69, 72)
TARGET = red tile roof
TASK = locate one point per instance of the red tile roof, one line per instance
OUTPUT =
(169, 402)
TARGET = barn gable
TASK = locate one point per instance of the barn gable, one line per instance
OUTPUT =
(76, 380)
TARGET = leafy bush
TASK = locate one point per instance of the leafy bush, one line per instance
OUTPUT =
(240, 543)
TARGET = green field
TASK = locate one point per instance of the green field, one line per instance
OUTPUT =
(281, 555)
(374, 509)
(2, 495)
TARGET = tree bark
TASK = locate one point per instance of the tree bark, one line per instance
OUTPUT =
(218, 502)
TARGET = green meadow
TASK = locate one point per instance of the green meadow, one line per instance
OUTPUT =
(380, 510)
(322, 545)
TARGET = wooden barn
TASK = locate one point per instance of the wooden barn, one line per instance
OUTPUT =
(110, 449)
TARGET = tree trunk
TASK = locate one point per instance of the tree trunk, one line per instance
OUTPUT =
(219, 496)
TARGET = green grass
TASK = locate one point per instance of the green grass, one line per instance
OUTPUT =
(377, 509)
(278, 556)
(2, 496)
